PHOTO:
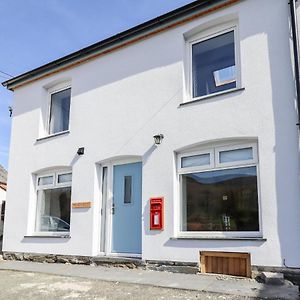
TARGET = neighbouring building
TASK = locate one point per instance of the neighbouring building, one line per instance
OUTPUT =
(214, 83)
(3, 188)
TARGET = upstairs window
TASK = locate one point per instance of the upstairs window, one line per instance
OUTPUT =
(213, 64)
(59, 111)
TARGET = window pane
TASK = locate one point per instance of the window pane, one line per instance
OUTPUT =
(127, 189)
(45, 180)
(62, 178)
(53, 210)
(213, 65)
(60, 111)
(195, 160)
(224, 200)
(236, 155)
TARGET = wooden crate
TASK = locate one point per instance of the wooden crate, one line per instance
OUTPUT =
(229, 263)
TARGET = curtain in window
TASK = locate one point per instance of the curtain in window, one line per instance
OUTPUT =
(40, 209)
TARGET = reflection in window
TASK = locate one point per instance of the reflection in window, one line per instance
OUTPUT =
(53, 209)
(60, 111)
(213, 65)
(224, 76)
(223, 200)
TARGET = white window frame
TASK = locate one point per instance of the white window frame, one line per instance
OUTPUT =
(45, 186)
(54, 185)
(56, 89)
(238, 162)
(204, 36)
(218, 234)
(63, 184)
(196, 168)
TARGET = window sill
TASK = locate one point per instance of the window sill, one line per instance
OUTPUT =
(66, 236)
(212, 96)
(260, 239)
(53, 135)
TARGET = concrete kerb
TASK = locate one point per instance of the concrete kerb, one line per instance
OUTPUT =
(202, 283)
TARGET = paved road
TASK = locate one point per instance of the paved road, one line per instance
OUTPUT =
(23, 285)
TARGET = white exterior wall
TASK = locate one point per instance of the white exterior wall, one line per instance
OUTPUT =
(120, 100)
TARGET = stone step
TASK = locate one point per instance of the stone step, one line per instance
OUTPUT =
(118, 261)
(272, 278)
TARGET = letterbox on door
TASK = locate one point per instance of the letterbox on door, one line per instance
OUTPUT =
(157, 213)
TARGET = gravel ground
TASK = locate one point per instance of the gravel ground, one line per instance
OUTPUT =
(22, 285)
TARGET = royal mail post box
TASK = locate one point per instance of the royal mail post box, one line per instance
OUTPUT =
(157, 213)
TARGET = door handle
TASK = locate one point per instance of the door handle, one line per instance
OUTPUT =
(113, 209)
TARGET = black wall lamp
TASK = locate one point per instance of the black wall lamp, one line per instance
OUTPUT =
(158, 138)
(80, 151)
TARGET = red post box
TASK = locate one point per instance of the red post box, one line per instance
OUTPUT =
(157, 213)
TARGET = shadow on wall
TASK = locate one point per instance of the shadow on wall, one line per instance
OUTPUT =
(211, 244)
(117, 66)
(287, 163)
(48, 241)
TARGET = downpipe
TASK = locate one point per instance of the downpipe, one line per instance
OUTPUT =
(294, 26)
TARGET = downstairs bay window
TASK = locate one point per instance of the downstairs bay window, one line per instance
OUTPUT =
(219, 192)
(53, 203)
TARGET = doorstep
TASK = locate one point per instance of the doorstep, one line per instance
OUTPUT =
(116, 261)
(204, 283)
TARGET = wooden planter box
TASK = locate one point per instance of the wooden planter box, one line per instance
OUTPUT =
(228, 263)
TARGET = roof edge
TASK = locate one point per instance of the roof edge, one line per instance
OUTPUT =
(132, 35)
(3, 186)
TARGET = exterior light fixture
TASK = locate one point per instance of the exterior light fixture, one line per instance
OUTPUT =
(158, 138)
(80, 151)
(10, 109)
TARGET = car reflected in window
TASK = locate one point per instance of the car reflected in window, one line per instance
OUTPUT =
(49, 223)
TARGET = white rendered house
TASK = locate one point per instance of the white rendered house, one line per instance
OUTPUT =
(216, 79)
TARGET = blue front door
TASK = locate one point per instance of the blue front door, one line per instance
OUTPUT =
(127, 208)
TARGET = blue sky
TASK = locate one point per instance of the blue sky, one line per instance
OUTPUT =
(34, 32)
